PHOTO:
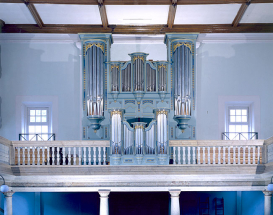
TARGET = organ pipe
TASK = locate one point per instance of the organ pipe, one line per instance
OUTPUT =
(116, 132)
(162, 131)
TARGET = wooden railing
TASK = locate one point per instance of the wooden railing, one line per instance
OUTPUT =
(60, 152)
(216, 152)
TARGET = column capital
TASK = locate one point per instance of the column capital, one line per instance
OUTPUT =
(8, 194)
(268, 193)
(174, 193)
(104, 193)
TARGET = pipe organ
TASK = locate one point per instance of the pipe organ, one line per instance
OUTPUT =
(141, 104)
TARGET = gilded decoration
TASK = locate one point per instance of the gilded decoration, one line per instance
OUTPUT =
(162, 112)
(99, 45)
(114, 66)
(187, 44)
(139, 127)
(138, 57)
(118, 112)
(162, 66)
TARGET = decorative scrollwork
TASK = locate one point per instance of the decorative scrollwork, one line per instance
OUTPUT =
(162, 112)
(162, 66)
(138, 57)
(116, 112)
(99, 45)
(187, 44)
(114, 66)
(139, 127)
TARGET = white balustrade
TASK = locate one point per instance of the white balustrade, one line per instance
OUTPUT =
(216, 154)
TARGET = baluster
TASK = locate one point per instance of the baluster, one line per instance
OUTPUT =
(239, 155)
(228, 154)
(89, 155)
(234, 155)
(198, 154)
(69, 156)
(193, 155)
(58, 155)
(33, 155)
(213, 151)
(244, 155)
(179, 156)
(174, 155)
(219, 155)
(248, 149)
(204, 155)
(189, 155)
(253, 155)
(38, 156)
(47, 156)
(63, 155)
(84, 155)
(224, 155)
(99, 156)
(43, 155)
(258, 155)
(53, 155)
(23, 156)
(74, 156)
(184, 155)
(95, 155)
(18, 156)
(28, 155)
(208, 154)
(104, 155)
(80, 156)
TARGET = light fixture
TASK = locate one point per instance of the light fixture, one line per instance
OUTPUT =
(270, 186)
(4, 187)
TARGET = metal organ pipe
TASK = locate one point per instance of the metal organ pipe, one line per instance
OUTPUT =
(162, 131)
(116, 132)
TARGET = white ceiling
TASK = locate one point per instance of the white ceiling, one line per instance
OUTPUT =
(258, 13)
(206, 14)
(137, 14)
(69, 14)
(15, 14)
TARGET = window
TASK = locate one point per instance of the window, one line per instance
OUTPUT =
(238, 124)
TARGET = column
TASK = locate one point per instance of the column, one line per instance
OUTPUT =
(104, 207)
(267, 202)
(8, 203)
(175, 208)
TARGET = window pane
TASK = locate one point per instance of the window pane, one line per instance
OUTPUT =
(244, 112)
(38, 129)
(38, 119)
(238, 112)
(232, 112)
(32, 112)
(244, 118)
(244, 128)
(38, 112)
(43, 118)
(231, 128)
(31, 129)
(43, 112)
(45, 137)
(44, 129)
(232, 118)
(238, 128)
(238, 119)
(232, 136)
(32, 119)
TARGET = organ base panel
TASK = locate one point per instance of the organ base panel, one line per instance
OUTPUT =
(139, 105)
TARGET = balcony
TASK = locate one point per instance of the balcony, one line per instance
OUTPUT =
(85, 166)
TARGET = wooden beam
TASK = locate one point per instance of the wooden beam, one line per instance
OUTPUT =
(171, 15)
(35, 14)
(240, 14)
(148, 29)
(103, 14)
(137, 2)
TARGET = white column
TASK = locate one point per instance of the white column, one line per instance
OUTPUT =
(104, 207)
(175, 208)
(267, 202)
(8, 203)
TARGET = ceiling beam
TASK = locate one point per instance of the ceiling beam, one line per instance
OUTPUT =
(103, 14)
(148, 29)
(137, 2)
(34, 13)
(171, 14)
(240, 14)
